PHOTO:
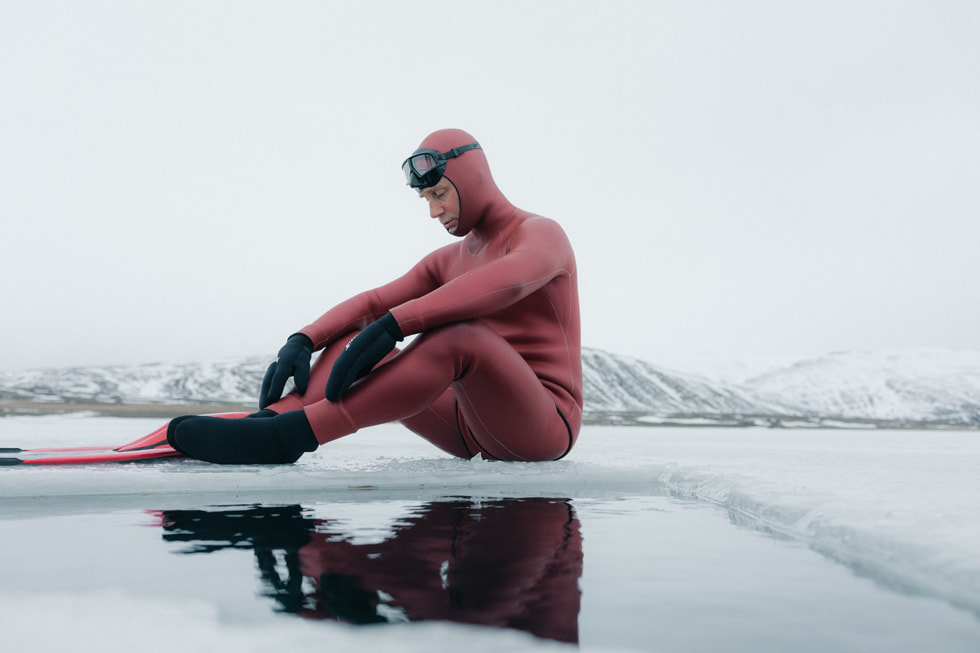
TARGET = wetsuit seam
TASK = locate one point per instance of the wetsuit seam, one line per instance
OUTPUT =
(459, 430)
(490, 434)
(480, 448)
(571, 439)
(483, 450)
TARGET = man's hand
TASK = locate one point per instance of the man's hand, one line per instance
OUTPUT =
(362, 353)
(293, 361)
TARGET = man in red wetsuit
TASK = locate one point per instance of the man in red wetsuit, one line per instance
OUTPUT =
(495, 370)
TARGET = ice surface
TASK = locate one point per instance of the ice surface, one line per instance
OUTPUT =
(896, 507)
(78, 623)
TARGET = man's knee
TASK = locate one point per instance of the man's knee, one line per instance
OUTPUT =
(460, 338)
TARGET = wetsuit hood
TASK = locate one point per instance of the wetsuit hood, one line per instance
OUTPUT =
(479, 196)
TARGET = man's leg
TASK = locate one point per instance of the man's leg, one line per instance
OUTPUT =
(499, 406)
(461, 375)
(319, 373)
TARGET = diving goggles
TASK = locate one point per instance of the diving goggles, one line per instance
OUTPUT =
(425, 167)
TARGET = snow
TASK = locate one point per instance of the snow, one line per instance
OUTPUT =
(897, 508)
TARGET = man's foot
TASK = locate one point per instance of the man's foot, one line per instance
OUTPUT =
(271, 441)
(172, 428)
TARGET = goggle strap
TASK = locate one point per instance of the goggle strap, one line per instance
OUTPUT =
(456, 151)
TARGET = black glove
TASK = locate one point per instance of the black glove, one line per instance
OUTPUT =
(362, 353)
(293, 361)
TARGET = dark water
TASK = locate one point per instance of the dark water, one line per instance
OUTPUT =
(629, 573)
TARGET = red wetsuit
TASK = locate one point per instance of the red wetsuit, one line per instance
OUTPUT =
(496, 369)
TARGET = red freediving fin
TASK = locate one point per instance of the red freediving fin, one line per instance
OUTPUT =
(153, 445)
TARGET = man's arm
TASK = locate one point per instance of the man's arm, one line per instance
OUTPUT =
(355, 313)
(369, 306)
(540, 253)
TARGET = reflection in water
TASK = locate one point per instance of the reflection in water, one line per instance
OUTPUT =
(511, 563)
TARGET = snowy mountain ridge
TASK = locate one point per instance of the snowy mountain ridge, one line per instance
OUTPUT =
(932, 385)
(904, 388)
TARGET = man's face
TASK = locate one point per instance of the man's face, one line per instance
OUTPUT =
(443, 203)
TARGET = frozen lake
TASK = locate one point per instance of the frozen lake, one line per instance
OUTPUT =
(654, 539)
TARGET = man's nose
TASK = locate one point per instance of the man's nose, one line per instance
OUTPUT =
(435, 210)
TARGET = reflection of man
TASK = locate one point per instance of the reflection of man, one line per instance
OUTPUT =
(512, 563)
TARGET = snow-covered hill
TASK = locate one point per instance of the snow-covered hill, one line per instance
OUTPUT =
(233, 381)
(915, 388)
(616, 384)
(928, 385)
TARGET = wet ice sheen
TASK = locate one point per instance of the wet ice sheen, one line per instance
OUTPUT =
(691, 539)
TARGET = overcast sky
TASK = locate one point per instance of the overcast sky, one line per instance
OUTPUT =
(191, 180)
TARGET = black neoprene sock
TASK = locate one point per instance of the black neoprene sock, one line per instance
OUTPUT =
(172, 428)
(271, 441)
